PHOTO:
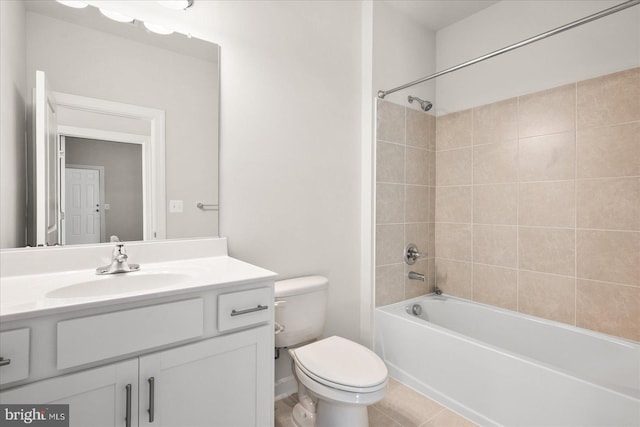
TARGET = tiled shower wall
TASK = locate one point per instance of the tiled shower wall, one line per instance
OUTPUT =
(538, 204)
(405, 200)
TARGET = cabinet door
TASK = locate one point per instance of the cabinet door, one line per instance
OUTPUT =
(225, 381)
(96, 397)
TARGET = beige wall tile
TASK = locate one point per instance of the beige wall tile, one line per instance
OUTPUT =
(609, 203)
(453, 167)
(612, 309)
(432, 240)
(416, 203)
(609, 151)
(453, 241)
(389, 203)
(495, 204)
(496, 286)
(389, 284)
(609, 256)
(495, 163)
(432, 168)
(418, 233)
(547, 296)
(547, 250)
(454, 130)
(390, 122)
(495, 245)
(610, 99)
(413, 287)
(420, 129)
(454, 277)
(453, 204)
(547, 158)
(548, 111)
(389, 162)
(497, 122)
(417, 162)
(432, 273)
(432, 203)
(551, 204)
(389, 244)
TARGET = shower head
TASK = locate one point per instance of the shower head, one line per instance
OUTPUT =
(424, 105)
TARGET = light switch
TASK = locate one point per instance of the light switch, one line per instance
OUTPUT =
(175, 206)
(107, 206)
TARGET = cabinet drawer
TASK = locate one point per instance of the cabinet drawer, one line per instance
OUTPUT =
(14, 350)
(94, 338)
(240, 309)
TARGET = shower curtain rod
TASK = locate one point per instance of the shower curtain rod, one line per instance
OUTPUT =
(586, 19)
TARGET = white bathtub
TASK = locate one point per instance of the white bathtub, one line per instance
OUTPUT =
(499, 367)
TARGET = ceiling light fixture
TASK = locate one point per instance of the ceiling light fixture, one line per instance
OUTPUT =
(73, 3)
(157, 28)
(176, 4)
(116, 16)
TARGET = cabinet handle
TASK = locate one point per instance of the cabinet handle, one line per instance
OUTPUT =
(4, 362)
(249, 310)
(152, 399)
(127, 420)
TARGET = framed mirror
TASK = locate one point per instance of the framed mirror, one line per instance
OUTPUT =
(126, 140)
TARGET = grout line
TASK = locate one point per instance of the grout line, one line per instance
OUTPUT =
(575, 212)
(442, 409)
(472, 208)
(518, 205)
(551, 181)
(543, 227)
(404, 206)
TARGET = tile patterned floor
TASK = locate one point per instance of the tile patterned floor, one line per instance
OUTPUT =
(401, 407)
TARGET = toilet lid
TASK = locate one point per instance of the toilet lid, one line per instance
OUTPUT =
(336, 362)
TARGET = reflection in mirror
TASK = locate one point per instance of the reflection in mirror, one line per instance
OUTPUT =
(88, 57)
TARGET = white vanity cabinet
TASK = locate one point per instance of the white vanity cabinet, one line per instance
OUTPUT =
(96, 397)
(198, 359)
(220, 382)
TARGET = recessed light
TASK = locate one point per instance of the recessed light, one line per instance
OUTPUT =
(157, 28)
(176, 4)
(116, 16)
(73, 3)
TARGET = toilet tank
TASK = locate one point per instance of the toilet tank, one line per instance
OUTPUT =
(301, 305)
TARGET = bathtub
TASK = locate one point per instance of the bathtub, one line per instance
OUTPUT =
(499, 367)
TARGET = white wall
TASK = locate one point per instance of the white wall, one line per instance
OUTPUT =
(403, 51)
(600, 47)
(290, 136)
(13, 89)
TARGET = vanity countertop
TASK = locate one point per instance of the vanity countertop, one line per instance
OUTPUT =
(35, 295)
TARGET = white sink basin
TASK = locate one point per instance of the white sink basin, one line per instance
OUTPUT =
(122, 283)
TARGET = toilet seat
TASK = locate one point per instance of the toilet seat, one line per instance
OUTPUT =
(342, 364)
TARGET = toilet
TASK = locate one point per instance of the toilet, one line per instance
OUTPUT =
(337, 378)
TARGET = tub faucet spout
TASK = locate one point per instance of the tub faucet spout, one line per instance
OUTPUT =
(417, 276)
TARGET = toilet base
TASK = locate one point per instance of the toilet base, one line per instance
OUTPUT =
(304, 412)
(333, 414)
(329, 414)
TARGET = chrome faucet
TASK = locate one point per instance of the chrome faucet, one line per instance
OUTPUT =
(119, 262)
(417, 276)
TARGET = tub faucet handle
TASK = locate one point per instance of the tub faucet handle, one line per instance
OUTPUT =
(411, 254)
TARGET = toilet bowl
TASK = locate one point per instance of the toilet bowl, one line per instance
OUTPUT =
(345, 377)
(337, 378)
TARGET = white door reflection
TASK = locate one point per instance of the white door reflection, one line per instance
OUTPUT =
(104, 194)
